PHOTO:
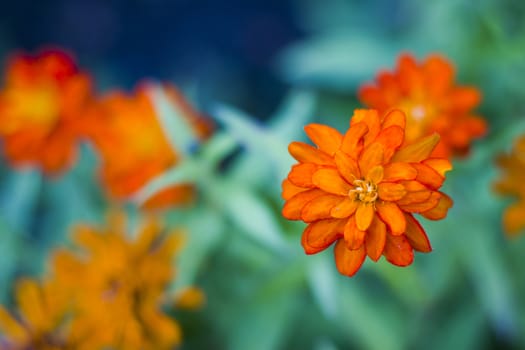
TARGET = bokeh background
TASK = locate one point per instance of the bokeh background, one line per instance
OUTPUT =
(261, 70)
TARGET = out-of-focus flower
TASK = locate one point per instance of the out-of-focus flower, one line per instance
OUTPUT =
(42, 105)
(134, 148)
(41, 320)
(426, 92)
(118, 286)
(362, 188)
(512, 183)
(190, 298)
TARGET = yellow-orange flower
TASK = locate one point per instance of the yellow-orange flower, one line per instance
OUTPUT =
(41, 320)
(512, 183)
(42, 105)
(362, 189)
(426, 92)
(133, 146)
(118, 286)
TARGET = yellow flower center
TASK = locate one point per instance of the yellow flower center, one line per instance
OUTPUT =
(364, 191)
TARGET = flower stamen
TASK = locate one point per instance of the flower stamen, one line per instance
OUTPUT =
(364, 191)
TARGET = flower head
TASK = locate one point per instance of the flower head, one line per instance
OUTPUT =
(432, 102)
(42, 105)
(133, 146)
(362, 189)
(512, 183)
(118, 286)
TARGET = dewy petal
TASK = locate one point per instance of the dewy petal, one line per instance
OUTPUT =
(441, 209)
(375, 239)
(372, 155)
(347, 167)
(325, 137)
(416, 235)
(353, 140)
(348, 261)
(301, 175)
(353, 236)
(375, 174)
(398, 250)
(392, 216)
(320, 207)
(345, 208)
(304, 153)
(329, 180)
(293, 207)
(418, 151)
(391, 191)
(321, 234)
(290, 190)
(399, 171)
(394, 117)
(364, 215)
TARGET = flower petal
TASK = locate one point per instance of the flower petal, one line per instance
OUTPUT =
(392, 216)
(304, 153)
(514, 218)
(422, 207)
(345, 208)
(394, 117)
(376, 239)
(325, 137)
(440, 165)
(347, 167)
(428, 176)
(418, 151)
(440, 210)
(372, 155)
(416, 235)
(364, 215)
(290, 190)
(348, 261)
(390, 191)
(353, 140)
(353, 236)
(375, 174)
(301, 175)
(321, 234)
(371, 118)
(391, 137)
(398, 250)
(293, 207)
(399, 171)
(320, 207)
(329, 180)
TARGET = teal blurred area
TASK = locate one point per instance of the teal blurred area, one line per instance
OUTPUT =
(262, 71)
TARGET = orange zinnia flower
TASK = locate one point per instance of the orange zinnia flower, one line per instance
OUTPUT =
(41, 107)
(362, 188)
(512, 183)
(433, 103)
(133, 146)
(118, 286)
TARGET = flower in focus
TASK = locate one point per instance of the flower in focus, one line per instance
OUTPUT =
(362, 189)
(432, 102)
(118, 287)
(42, 105)
(134, 148)
(512, 183)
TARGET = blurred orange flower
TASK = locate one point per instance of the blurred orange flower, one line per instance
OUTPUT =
(133, 146)
(512, 183)
(41, 107)
(41, 319)
(118, 286)
(426, 92)
(362, 188)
